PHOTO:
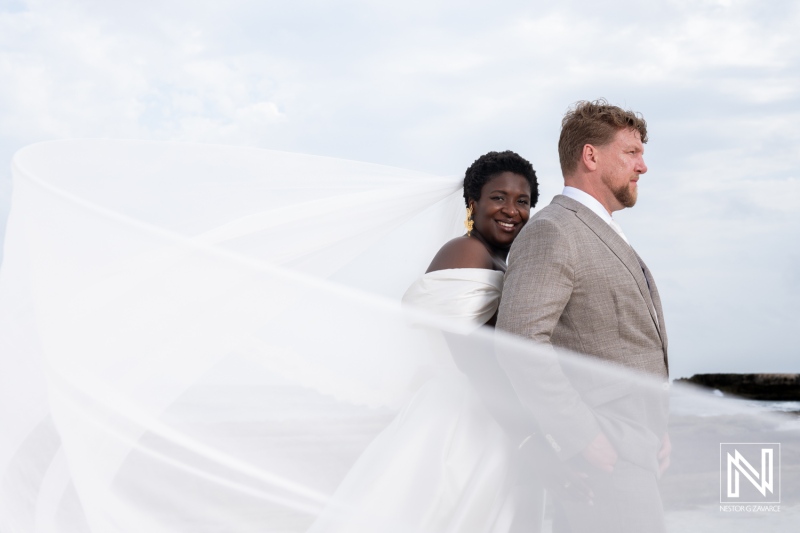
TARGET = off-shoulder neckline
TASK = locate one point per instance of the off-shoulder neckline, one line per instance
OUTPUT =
(452, 271)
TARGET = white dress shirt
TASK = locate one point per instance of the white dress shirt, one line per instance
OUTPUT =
(597, 208)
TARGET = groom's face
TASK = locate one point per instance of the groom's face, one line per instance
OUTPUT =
(621, 163)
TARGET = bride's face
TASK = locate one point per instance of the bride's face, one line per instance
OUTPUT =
(503, 209)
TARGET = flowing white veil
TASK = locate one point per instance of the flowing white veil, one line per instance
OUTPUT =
(206, 338)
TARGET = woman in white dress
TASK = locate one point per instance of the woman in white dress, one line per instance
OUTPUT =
(450, 461)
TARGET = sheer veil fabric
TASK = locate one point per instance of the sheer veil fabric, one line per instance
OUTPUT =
(207, 338)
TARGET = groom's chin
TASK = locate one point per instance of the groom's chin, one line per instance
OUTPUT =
(628, 195)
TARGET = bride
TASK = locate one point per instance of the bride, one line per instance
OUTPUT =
(444, 463)
(179, 358)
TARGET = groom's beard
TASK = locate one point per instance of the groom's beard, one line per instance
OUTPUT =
(624, 193)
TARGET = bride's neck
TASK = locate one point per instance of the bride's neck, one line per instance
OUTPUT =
(497, 254)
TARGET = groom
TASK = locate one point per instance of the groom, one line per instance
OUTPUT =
(574, 282)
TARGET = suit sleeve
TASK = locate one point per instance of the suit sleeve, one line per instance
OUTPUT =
(538, 285)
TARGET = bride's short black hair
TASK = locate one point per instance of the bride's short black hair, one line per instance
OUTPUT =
(493, 163)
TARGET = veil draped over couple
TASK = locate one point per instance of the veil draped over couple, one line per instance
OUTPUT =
(206, 338)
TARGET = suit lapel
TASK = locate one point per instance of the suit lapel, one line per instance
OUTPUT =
(620, 248)
(659, 308)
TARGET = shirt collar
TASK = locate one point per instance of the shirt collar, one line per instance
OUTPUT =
(589, 201)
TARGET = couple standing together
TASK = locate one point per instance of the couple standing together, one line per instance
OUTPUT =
(573, 282)
(476, 457)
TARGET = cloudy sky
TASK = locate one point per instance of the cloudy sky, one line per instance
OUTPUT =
(431, 85)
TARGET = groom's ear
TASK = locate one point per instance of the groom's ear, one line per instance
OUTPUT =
(589, 157)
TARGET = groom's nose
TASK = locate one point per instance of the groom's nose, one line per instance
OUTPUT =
(641, 167)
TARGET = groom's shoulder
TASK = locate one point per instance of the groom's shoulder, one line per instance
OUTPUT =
(557, 211)
(552, 223)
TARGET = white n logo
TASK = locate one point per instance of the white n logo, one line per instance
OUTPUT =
(740, 464)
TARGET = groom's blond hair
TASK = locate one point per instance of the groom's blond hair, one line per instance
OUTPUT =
(593, 123)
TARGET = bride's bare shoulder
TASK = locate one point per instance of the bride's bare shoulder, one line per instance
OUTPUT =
(461, 252)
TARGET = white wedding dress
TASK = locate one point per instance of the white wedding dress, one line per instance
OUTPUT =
(467, 476)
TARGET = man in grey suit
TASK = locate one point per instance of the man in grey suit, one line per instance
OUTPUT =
(573, 282)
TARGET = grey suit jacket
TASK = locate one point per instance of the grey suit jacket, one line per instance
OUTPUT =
(574, 283)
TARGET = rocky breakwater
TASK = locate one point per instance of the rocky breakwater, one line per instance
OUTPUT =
(773, 387)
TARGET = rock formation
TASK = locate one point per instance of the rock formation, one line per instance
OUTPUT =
(774, 387)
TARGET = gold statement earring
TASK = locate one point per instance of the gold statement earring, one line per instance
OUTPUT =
(469, 222)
